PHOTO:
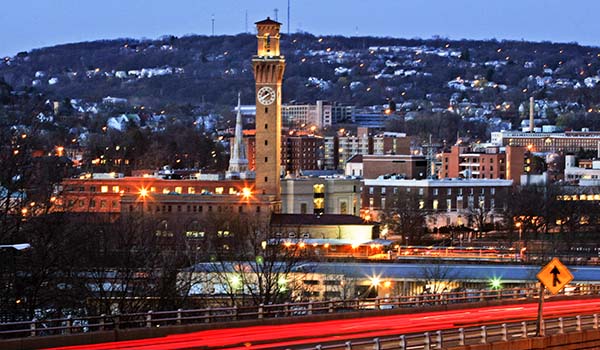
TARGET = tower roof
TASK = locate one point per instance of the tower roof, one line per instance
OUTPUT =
(267, 21)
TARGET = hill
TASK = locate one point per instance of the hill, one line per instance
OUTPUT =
(196, 70)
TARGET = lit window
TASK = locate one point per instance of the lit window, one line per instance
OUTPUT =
(219, 190)
(191, 190)
(435, 204)
(166, 190)
(115, 189)
(104, 189)
(178, 189)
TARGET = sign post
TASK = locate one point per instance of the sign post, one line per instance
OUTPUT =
(554, 277)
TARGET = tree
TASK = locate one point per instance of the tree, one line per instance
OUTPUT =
(249, 263)
(405, 216)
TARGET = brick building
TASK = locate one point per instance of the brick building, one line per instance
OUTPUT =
(464, 161)
(447, 201)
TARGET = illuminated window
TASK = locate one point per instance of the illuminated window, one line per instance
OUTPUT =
(115, 189)
(152, 189)
(319, 198)
(435, 204)
(166, 190)
(178, 189)
(344, 207)
(219, 190)
(104, 189)
(448, 204)
(232, 190)
(421, 204)
(191, 190)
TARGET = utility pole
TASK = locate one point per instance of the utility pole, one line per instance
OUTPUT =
(213, 24)
(288, 17)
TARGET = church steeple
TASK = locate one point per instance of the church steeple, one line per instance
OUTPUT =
(238, 164)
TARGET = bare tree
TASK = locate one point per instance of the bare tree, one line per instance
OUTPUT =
(405, 216)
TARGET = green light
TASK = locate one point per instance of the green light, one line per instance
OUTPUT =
(236, 282)
(496, 283)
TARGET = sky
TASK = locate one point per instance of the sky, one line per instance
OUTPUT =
(29, 24)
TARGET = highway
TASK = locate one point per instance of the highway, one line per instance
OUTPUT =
(305, 334)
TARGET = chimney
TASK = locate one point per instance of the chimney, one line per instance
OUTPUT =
(531, 103)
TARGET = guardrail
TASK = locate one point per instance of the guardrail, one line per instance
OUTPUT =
(470, 336)
(70, 325)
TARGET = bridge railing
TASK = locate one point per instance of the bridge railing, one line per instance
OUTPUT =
(70, 325)
(485, 334)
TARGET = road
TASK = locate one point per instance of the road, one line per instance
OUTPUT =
(307, 333)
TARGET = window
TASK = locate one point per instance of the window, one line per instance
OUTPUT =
(421, 191)
(493, 191)
(92, 203)
(435, 204)
(191, 190)
(266, 126)
(449, 205)
(435, 191)
(219, 190)
(102, 203)
(383, 190)
(266, 142)
(382, 203)
(178, 189)
(266, 159)
(371, 190)
(343, 207)
(114, 204)
(266, 179)
(266, 109)
(449, 191)
(303, 208)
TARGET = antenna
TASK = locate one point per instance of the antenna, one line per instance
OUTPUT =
(276, 10)
(288, 17)
(213, 24)
(246, 28)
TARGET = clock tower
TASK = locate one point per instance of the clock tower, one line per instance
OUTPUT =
(268, 67)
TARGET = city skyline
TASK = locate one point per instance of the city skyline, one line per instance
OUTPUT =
(36, 24)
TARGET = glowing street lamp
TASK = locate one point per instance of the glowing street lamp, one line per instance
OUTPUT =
(495, 283)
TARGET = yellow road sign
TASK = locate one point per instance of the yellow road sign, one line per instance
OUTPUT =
(555, 276)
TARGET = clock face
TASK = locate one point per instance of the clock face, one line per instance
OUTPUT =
(266, 95)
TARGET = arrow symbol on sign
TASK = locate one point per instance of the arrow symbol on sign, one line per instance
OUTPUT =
(555, 280)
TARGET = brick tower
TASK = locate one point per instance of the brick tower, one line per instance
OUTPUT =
(268, 67)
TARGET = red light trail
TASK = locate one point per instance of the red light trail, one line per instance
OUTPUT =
(287, 335)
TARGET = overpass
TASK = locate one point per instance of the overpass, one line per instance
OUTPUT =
(393, 320)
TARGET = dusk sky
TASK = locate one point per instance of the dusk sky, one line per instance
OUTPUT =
(28, 24)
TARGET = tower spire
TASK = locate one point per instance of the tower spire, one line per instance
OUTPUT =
(238, 164)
